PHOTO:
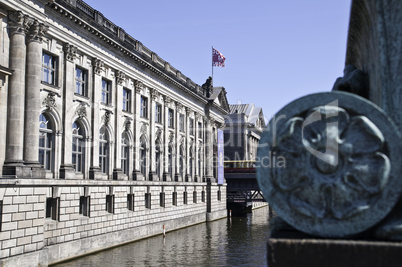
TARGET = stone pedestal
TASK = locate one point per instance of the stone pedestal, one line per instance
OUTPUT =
(119, 175)
(166, 177)
(153, 176)
(67, 172)
(137, 176)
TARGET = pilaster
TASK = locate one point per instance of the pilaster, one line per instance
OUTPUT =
(66, 168)
(152, 172)
(95, 171)
(139, 87)
(117, 171)
(166, 175)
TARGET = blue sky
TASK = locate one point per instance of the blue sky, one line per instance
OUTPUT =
(276, 50)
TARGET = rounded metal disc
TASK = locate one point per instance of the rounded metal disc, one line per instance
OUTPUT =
(328, 164)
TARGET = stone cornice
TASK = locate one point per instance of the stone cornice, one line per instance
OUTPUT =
(127, 45)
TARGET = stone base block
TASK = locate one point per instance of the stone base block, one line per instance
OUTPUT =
(67, 172)
(166, 177)
(19, 170)
(153, 176)
(137, 176)
(289, 252)
(177, 177)
(96, 174)
(119, 175)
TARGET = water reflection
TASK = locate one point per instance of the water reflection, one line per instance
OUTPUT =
(239, 241)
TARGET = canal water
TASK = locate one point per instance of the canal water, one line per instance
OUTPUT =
(239, 241)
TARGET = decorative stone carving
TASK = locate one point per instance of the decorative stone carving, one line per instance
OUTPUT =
(188, 111)
(139, 86)
(179, 106)
(106, 117)
(197, 116)
(19, 23)
(98, 65)
(144, 128)
(171, 138)
(120, 77)
(70, 52)
(167, 100)
(326, 164)
(81, 110)
(154, 94)
(127, 124)
(50, 101)
(158, 133)
(37, 31)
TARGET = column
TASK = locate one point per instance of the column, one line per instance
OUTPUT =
(95, 171)
(187, 133)
(16, 95)
(152, 166)
(209, 164)
(66, 168)
(177, 176)
(166, 176)
(196, 146)
(117, 171)
(32, 99)
(137, 102)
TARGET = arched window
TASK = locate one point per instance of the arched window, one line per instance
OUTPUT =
(143, 156)
(46, 142)
(191, 162)
(158, 158)
(170, 160)
(125, 152)
(181, 162)
(104, 150)
(78, 151)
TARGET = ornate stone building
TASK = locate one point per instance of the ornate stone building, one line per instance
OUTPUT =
(244, 126)
(101, 141)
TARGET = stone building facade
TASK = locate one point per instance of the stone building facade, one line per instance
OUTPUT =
(101, 141)
(243, 127)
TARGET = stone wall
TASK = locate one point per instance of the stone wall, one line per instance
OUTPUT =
(26, 228)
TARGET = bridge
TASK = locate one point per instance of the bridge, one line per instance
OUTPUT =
(242, 186)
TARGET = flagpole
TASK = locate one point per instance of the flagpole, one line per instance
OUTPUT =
(212, 65)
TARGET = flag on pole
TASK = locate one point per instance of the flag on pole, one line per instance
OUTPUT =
(218, 60)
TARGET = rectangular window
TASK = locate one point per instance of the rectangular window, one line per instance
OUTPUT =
(162, 199)
(106, 92)
(148, 200)
(130, 202)
(199, 129)
(185, 197)
(171, 118)
(219, 195)
(144, 107)
(126, 100)
(53, 208)
(158, 113)
(110, 203)
(203, 196)
(81, 81)
(85, 205)
(181, 123)
(174, 198)
(194, 196)
(49, 69)
(191, 126)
